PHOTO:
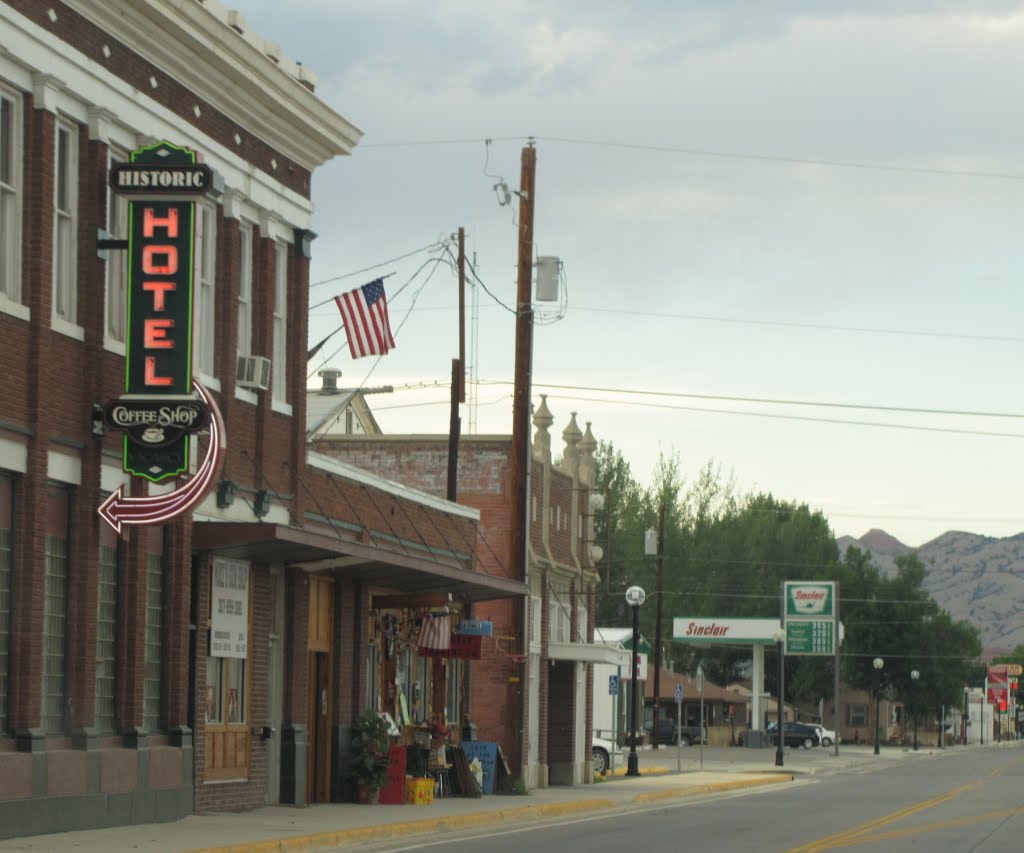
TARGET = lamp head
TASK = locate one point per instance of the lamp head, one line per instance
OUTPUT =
(914, 674)
(635, 596)
(878, 663)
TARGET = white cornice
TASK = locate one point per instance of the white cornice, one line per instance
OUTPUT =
(226, 69)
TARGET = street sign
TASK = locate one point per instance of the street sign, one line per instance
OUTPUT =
(810, 637)
(679, 693)
(613, 685)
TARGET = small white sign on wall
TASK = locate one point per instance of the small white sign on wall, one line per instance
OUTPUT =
(229, 609)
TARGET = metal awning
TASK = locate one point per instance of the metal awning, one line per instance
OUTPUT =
(405, 572)
(588, 653)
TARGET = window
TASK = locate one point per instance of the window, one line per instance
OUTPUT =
(55, 604)
(117, 259)
(279, 360)
(453, 701)
(10, 196)
(106, 630)
(203, 287)
(226, 699)
(152, 680)
(65, 226)
(6, 570)
(857, 714)
(371, 699)
(245, 290)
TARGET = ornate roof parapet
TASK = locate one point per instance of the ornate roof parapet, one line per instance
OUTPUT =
(588, 467)
(571, 435)
(542, 419)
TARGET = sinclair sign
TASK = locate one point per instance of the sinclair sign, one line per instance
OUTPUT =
(810, 599)
(701, 630)
(162, 407)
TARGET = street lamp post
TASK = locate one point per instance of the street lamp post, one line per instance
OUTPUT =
(780, 649)
(877, 663)
(634, 598)
(914, 675)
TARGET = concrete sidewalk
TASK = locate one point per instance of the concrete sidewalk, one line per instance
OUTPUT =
(284, 828)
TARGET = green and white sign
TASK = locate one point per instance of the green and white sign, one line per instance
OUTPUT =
(810, 637)
(810, 600)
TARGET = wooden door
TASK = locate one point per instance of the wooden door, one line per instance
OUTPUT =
(320, 702)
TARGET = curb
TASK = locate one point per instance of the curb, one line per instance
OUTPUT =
(384, 832)
(694, 790)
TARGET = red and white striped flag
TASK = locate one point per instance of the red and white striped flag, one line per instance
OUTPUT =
(364, 312)
(435, 632)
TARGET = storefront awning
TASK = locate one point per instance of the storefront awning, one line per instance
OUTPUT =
(587, 653)
(408, 573)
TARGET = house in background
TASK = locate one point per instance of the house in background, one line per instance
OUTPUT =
(332, 410)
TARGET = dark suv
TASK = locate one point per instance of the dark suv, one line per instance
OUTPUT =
(668, 733)
(794, 734)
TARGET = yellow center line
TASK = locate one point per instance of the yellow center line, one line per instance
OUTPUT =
(841, 839)
(941, 825)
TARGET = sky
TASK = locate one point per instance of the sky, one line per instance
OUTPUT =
(790, 233)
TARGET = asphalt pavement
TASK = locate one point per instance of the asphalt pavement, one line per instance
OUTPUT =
(282, 829)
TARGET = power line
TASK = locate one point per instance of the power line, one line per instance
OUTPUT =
(706, 152)
(765, 400)
(437, 244)
(826, 327)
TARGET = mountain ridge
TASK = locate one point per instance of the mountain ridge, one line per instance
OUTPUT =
(976, 578)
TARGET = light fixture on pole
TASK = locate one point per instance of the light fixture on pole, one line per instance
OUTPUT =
(876, 675)
(914, 675)
(634, 598)
(780, 649)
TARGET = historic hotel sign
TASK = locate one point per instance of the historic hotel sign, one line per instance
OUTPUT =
(160, 411)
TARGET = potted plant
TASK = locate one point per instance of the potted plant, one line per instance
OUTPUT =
(368, 756)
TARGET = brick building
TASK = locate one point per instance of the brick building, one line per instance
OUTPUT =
(543, 688)
(118, 703)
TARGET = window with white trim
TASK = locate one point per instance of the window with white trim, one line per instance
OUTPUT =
(204, 288)
(245, 289)
(65, 223)
(55, 610)
(279, 359)
(857, 714)
(6, 573)
(117, 259)
(10, 195)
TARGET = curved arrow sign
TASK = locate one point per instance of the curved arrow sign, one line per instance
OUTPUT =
(118, 510)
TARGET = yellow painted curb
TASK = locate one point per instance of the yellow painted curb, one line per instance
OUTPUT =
(382, 832)
(693, 790)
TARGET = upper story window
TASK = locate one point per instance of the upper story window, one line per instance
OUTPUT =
(10, 196)
(117, 260)
(65, 226)
(245, 290)
(279, 358)
(204, 289)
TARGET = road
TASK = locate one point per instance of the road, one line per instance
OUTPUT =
(959, 800)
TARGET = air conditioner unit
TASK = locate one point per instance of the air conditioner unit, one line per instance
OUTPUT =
(253, 372)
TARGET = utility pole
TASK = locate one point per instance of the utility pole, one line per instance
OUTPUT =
(659, 589)
(458, 377)
(520, 455)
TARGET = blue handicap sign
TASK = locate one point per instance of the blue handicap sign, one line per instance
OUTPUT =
(679, 693)
(613, 685)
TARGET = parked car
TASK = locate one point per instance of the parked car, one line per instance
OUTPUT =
(601, 752)
(794, 734)
(669, 733)
(826, 737)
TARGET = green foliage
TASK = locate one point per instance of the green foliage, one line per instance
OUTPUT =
(368, 756)
(727, 555)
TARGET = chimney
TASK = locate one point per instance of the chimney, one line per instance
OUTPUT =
(330, 377)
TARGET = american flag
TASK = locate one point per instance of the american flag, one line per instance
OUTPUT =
(435, 632)
(364, 312)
